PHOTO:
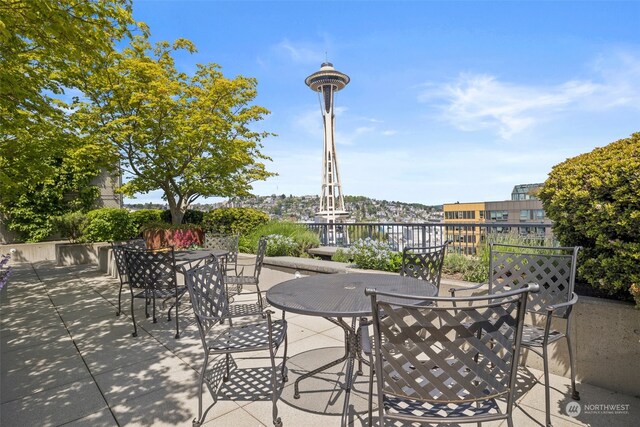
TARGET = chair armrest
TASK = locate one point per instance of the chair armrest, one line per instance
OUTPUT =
(572, 301)
(452, 291)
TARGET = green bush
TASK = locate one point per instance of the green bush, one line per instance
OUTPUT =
(143, 217)
(240, 221)
(303, 238)
(373, 254)
(109, 224)
(279, 245)
(71, 225)
(190, 216)
(341, 255)
(594, 201)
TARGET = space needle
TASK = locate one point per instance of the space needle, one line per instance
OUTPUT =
(326, 82)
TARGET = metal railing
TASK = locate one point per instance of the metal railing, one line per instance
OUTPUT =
(464, 237)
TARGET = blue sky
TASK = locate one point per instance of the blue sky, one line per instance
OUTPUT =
(448, 101)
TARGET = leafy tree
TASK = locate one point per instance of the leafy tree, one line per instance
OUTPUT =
(189, 136)
(44, 46)
(594, 200)
(33, 213)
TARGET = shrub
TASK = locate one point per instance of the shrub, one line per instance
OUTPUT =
(594, 200)
(240, 221)
(340, 255)
(303, 238)
(145, 216)
(71, 225)
(109, 224)
(372, 254)
(190, 216)
(279, 245)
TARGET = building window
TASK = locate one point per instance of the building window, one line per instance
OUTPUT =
(498, 215)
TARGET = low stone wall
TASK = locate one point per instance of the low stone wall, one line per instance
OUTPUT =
(62, 252)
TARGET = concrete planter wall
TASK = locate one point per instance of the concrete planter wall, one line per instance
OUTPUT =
(78, 253)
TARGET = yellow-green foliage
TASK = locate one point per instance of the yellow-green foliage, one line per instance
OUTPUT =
(594, 200)
(233, 220)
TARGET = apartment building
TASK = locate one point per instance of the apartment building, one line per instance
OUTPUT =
(473, 221)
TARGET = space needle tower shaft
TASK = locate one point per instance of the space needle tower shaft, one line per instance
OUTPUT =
(326, 82)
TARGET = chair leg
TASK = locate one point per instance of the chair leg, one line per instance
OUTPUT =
(177, 322)
(574, 393)
(119, 300)
(198, 422)
(277, 422)
(547, 393)
(371, 373)
(155, 319)
(133, 317)
(285, 376)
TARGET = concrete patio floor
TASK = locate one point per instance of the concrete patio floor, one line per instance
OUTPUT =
(66, 359)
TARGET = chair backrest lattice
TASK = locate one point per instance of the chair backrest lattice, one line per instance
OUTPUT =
(443, 354)
(554, 269)
(424, 262)
(224, 242)
(151, 268)
(208, 295)
(118, 254)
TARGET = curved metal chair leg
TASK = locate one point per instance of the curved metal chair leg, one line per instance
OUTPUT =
(277, 422)
(133, 317)
(574, 393)
(119, 301)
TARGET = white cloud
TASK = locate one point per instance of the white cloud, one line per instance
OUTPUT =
(479, 101)
(300, 52)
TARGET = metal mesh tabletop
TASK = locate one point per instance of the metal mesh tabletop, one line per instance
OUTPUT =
(186, 256)
(341, 295)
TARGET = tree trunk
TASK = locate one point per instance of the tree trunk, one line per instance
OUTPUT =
(177, 214)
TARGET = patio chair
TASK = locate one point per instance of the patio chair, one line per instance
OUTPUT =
(227, 243)
(152, 275)
(445, 363)
(236, 284)
(424, 262)
(121, 265)
(211, 308)
(554, 269)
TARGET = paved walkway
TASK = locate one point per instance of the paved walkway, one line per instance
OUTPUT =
(66, 359)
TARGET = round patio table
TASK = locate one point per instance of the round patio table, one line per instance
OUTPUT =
(187, 259)
(334, 296)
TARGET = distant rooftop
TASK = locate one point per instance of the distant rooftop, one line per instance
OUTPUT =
(526, 191)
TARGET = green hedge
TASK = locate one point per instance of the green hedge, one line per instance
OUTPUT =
(109, 224)
(594, 201)
(143, 217)
(240, 221)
